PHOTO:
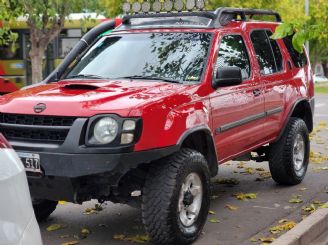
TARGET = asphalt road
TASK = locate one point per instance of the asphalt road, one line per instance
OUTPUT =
(252, 219)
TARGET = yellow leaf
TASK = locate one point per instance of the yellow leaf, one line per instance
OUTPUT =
(265, 175)
(240, 165)
(70, 243)
(282, 221)
(231, 207)
(243, 196)
(295, 200)
(138, 238)
(120, 237)
(62, 202)
(302, 189)
(64, 236)
(231, 181)
(283, 227)
(267, 239)
(253, 239)
(214, 220)
(84, 233)
(260, 169)
(323, 205)
(54, 227)
(211, 212)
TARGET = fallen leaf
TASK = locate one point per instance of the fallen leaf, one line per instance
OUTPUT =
(54, 227)
(260, 169)
(120, 237)
(214, 220)
(231, 207)
(253, 239)
(282, 221)
(323, 205)
(249, 170)
(243, 196)
(138, 238)
(213, 197)
(302, 189)
(64, 236)
(62, 202)
(70, 243)
(240, 165)
(322, 168)
(211, 212)
(267, 239)
(282, 227)
(309, 209)
(231, 181)
(84, 233)
(296, 199)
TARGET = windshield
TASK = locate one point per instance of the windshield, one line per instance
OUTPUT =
(179, 57)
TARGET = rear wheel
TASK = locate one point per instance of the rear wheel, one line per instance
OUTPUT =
(43, 208)
(289, 156)
(176, 198)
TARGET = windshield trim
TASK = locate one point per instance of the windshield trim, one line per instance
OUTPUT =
(115, 34)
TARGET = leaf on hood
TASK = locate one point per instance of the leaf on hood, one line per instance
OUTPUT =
(243, 196)
(54, 227)
(214, 220)
(231, 207)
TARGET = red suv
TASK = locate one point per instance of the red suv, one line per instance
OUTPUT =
(144, 115)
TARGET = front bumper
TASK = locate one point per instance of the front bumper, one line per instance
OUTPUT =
(80, 177)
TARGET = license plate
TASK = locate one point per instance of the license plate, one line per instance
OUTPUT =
(31, 162)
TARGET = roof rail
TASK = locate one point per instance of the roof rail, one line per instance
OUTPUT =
(246, 12)
(218, 18)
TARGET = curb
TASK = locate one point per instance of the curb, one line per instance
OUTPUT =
(312, 230)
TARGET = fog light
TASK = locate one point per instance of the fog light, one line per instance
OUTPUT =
(157, 6)
(178, 5)
(126, 138)
(168, 5)
(129, 125)
(190, 4)
(145, 7)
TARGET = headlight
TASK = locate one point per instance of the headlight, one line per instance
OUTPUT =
(105, 130)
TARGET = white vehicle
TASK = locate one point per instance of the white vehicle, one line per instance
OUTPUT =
(18, 225)
(320, 79)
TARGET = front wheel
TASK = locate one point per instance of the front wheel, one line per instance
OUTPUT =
(176, 198)
(289, 156)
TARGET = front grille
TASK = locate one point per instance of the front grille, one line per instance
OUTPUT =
(35, 128)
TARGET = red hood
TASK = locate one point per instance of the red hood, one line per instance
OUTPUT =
(87, 98)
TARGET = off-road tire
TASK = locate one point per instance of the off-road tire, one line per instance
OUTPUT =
(161, 195)
(281, 154)
(43, 209)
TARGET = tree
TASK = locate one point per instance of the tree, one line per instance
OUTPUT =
(8, 12)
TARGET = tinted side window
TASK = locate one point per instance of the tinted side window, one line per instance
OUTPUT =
(276, 52)
(263, 52)
(232, 52)
(299, 60)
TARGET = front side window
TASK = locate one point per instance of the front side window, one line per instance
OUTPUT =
(179, 57)
(263, 52)
(232, 52)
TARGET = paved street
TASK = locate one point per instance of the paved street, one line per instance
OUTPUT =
(252, 219)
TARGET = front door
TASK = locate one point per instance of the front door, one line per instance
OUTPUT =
(237, 111)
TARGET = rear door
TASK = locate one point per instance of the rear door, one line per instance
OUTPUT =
(274, 77)
(237, 111)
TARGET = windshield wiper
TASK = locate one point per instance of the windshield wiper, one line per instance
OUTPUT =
(85, 76)
(164, 79)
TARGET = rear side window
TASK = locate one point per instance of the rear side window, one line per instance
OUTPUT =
(298, 59)
(276, 51)
(232, 52)
(263, 52)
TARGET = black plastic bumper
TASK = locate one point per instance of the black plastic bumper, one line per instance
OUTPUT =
(80, 177)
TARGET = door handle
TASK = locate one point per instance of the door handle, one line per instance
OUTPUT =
(256, 92)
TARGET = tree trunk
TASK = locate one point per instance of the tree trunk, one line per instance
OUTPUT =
(36, 55)
(325, 68)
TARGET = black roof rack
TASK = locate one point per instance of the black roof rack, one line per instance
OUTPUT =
(215, 19)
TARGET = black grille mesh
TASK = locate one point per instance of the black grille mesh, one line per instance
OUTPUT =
(48, 134)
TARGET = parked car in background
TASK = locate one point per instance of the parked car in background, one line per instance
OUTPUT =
(18, 225)
(320, 79)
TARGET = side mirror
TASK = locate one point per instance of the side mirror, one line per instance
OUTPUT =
(227, 76)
